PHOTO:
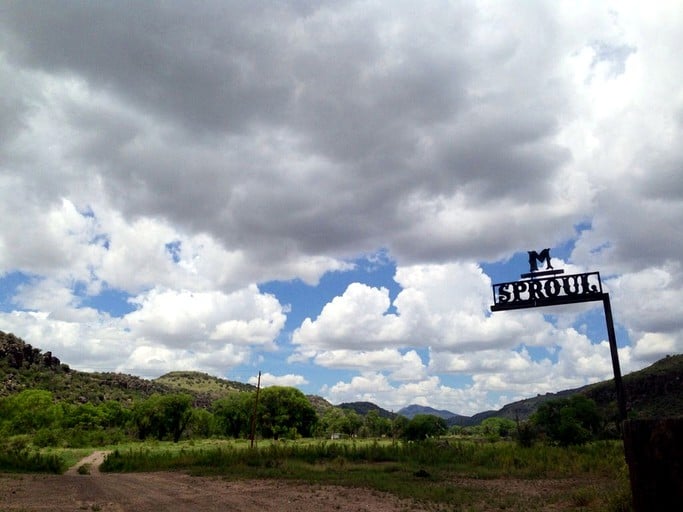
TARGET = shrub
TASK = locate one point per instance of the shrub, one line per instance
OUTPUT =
(568, 421)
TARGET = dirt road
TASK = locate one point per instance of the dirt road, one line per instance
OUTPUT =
(176, 492)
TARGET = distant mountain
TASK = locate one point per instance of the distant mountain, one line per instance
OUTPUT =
(520, 410)
(363, 408)
(413, 410)
(655, 391)
(319, 404)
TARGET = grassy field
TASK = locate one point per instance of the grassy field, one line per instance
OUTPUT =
(446, 474)
(496, 476)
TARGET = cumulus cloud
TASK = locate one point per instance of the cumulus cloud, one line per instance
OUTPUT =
(376, 388)
(190, 129)
(182, 158)
(268, 379)
(153, 360)
(439, 306)
(182, 317)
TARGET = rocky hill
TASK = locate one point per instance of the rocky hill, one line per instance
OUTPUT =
(23, 366)
(319, 404)
(655, 391)
(363, 408)
(204, 387)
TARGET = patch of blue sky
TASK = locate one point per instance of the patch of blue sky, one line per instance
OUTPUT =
(308, 301)
(508, 270)
(584, 225)
(592, 323)
(518, 264)
(173, 249)
(101, 239)
(114, 302)
(9, 283)
(456, 380)
(87, 212)
(541, 353)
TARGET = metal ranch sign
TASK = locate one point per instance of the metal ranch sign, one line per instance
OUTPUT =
(550, 287)
(546, 288)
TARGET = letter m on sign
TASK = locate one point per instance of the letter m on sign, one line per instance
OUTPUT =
(539, 257)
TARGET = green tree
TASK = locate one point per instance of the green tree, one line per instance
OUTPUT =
(148, 418)
(232, 414)
(284, 412)
(178, 411)
(568, 421)
(375, 425)
(353, 422)
(333, 421)
(422, 426)
(114, 414)
(29, 411)
(202, 423)
(162, 416)
(83, 416)
(495, 427)
(399, 426)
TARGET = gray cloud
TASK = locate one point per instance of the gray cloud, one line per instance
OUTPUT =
(272, 140)
(347, 112)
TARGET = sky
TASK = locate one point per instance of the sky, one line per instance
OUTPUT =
(325, 192)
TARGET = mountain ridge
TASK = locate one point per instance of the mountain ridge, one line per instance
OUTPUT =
(413, 410)
(654, 391)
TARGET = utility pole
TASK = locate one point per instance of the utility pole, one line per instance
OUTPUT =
(253, 414)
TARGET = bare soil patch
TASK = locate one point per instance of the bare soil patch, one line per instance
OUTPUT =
(169, 491)
(91, 463)
(176, 492)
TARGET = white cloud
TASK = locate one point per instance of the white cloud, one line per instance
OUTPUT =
(187, 164)
(268, 379)
(355, 320)
(179, 318)
(401, 366)
(652, 346)
(375, 388)
(444, 306)
(154, 360)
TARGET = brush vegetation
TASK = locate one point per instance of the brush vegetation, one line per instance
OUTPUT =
(51, 415)
(439, 474)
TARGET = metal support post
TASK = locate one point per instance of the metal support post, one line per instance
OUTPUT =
(621, 399)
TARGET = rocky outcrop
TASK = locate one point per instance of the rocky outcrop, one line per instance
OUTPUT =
(19, 354)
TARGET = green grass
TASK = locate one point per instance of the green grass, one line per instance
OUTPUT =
(462, 458)
(68, 456)
(458, 475)
(422, 472)
(17, 455)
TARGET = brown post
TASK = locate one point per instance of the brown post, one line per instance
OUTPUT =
(654, 452)
(253, 414)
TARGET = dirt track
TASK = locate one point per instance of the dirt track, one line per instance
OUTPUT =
(170, 492)
(176, 492)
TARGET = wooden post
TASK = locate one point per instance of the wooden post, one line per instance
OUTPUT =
(654, 452)
(253, 414)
